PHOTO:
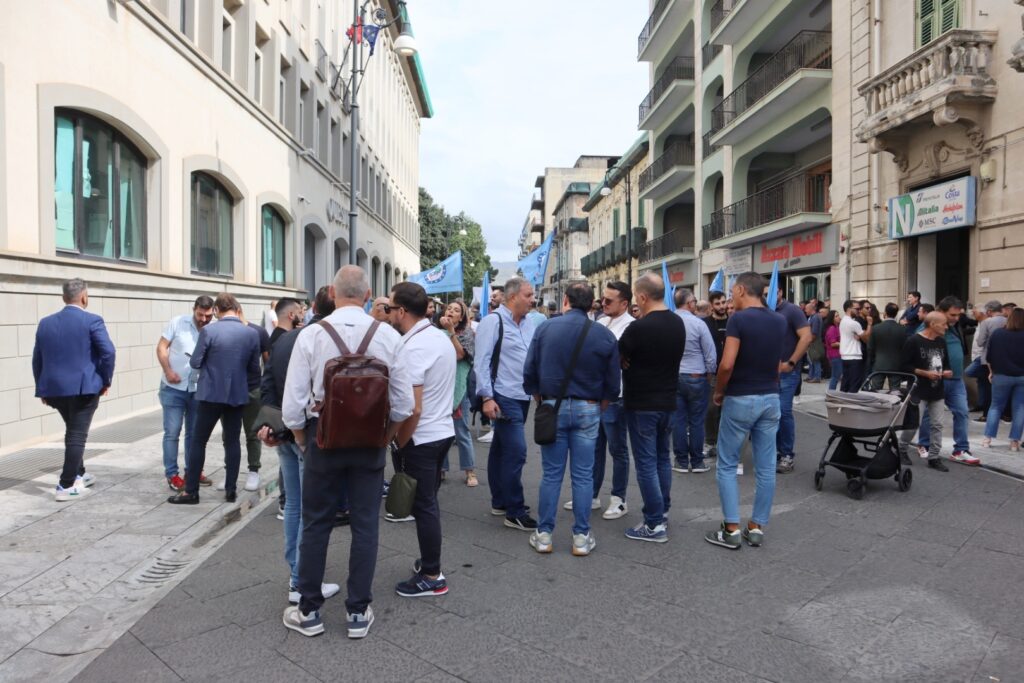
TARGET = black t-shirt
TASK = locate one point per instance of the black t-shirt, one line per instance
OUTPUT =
(717, 328)
(653, 345)
(921, 353)
(762, 334)
(276, 334)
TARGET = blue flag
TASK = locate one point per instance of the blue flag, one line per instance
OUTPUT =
(370, 32)
(485, 294)
(773, 288)
(718, 284)
(670, 291)
(446, 276)
(535, 264)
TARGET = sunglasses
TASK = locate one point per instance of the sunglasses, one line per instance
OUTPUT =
(388, 308)
(608, 302)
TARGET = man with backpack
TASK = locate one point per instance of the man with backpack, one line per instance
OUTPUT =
(346, 354)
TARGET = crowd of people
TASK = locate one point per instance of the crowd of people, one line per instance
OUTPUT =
(640, 371)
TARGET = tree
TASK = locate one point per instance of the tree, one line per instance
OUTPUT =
(440, 237)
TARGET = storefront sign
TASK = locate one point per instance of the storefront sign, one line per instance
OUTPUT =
(677, 274)
(737, 261)
(808, 249)
(945, 206)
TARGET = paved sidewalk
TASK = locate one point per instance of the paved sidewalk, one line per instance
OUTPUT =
(75, 576)
(895, 587)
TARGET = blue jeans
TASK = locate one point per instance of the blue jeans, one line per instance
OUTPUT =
(1006, 390)
(813, 369)
(463, 439)
(507, 456)
(649, 432)
(611, 433)
(179, 408)
(688, 422)
(290, 459)
(837, 372)
(980, 374)
(757, 416)
(575, 438)
(956, 401)
(785, 441)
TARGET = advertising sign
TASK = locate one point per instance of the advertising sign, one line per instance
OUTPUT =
(944, 206)
(737, 261)
(809, 249)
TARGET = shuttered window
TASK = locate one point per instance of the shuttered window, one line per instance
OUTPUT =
(936, 17)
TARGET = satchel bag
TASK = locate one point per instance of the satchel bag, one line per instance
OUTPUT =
(270, 416)
(545, 419)
(401, 494)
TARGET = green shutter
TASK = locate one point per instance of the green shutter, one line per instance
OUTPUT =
(615, 223)
(925, 22)
(949, 15)
(936, 17)
(640, 214)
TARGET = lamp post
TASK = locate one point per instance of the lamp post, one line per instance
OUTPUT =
(405, 45)
(606, 190)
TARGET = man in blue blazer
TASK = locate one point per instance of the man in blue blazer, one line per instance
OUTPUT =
(227, 356)
(73, 365)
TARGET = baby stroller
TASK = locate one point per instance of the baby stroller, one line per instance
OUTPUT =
(871, 419)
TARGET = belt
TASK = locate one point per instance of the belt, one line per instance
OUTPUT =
(691, 374)
(571, 398)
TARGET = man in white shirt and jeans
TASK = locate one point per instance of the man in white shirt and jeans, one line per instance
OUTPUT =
(851, 334)
(324, 471)
(424, 439)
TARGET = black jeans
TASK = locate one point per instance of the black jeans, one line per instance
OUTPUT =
(207, 415)
(853, 375)
(77, 412)
(324, 474)
(423, 463)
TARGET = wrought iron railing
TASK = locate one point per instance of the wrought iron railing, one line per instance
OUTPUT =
(707, 149)
(708, 54)
(676, 241)
(807, 50)
(803, 193)
(720, 10)
(652, 21)
(679, 153)
(679, 69)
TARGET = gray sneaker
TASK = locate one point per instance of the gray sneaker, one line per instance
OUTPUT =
(753, 537)
(541, 541)
(582, 544)
(726, 539)
(784, 464)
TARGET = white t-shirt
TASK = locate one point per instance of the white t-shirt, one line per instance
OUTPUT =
(617, 326)
(429, 358)
(849, 342)
(269, 320)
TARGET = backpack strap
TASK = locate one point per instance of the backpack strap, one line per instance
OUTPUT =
(365, 344)
(333, 334)
(496, 354)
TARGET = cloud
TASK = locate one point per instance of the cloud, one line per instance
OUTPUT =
(517, 87)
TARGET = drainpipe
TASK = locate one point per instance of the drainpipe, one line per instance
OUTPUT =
(875, 68)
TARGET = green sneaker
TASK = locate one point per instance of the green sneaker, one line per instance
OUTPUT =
(753, 537)
(726, 539)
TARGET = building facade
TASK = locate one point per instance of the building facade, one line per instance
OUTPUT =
(172, 148)
(570, 243)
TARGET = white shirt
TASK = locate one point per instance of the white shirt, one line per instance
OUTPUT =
(617, 326)
(849, 341)
(429, 356)
(183, 335)
(304, 385)
(269, 320)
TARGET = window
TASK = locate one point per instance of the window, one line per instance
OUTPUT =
(227, 44)
(257, 77)
(212, 206)
(615, 224)
(640, 214)
(99, 190)
(281, 91)
(273, 246)
(936, 17)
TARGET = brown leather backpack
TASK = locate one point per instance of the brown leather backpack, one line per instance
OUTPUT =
(355, 408)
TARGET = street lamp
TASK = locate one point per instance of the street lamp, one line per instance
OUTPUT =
(606, 191)
(405, 46)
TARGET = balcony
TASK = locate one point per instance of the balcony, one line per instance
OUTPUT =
(669, 91)
(662, 28)
(788, 78)
(579, 225)
(708, 54)
(943, 82)
(795, 204)
(707, 147)
(321, 60)
(732, 19)
(668, 172)
(676, 245)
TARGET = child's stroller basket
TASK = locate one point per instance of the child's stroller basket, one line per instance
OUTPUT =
(864, 413)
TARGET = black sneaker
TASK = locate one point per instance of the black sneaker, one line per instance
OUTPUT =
(419, 586)
(342, 519)
(524, 523)
(937, 464)
(184, 499)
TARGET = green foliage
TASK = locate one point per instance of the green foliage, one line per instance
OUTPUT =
(440, 237)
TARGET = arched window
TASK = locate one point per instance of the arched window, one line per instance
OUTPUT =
(212, 205)
(273, 246)
(99, 190)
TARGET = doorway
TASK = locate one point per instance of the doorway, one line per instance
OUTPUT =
(952, 249)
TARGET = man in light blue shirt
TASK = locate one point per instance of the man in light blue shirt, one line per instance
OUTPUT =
(178, 385)
(696, 371)
(502, 341)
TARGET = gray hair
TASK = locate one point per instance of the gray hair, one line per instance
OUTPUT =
(514, 284)
(351, 283)
(73, 289)
(650, 284)
(993, 307)
(684, 296)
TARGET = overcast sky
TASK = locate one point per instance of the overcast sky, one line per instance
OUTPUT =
(519, 86)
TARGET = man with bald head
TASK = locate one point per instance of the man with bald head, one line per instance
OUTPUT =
(651, 349)
(925, 355)
(379, 310)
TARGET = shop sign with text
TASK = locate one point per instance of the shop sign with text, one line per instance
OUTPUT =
(737, 260)
(945, 206)
(808, 249)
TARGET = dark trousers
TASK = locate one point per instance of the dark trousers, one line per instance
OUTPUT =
(207, 415)
(853, 375)
(507, 456)
(423, 463)
(253, 445)
(77, 412)
(364, 473)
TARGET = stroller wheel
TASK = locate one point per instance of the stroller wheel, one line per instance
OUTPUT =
(905, 480)
(855, 487)
(818, 477)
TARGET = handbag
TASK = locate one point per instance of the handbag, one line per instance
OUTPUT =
(270, 416)
(545, 419)
(401, 493)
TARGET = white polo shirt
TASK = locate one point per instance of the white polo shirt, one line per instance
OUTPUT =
(849, 341)
(429, 358)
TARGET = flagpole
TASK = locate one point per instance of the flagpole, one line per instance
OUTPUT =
(353, 161)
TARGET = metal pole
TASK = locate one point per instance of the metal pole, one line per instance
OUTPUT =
(353, 186)
(629, 230)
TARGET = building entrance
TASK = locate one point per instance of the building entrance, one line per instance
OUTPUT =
(938, 265)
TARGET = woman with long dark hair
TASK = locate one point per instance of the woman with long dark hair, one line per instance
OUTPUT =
(831, 336)
(455, 322)
(1006, 363)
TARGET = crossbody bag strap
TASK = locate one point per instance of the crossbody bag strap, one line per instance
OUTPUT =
(572, 363)
(333, 334)
(496, 355)
(365, 344)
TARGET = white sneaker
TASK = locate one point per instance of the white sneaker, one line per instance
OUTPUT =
(86, 479)
(487, 438)
(74, 492)
(222, 484)
(329, 590)
(739, 468)
(388, 517)
(594, 504)
(252, 481)
(616, 508)
(582, 544)
(540, 541)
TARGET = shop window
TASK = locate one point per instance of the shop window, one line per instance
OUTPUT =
(936, 17)
(99, 190)
(273, 246)
(212, 206)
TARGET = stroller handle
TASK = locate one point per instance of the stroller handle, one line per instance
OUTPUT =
(867, 385)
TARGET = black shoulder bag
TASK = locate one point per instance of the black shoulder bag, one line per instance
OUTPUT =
(545, 419)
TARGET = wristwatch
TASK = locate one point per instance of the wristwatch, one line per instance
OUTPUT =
(790, 363)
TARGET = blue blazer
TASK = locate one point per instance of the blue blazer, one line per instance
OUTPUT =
(227, 356)
(73, 355)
